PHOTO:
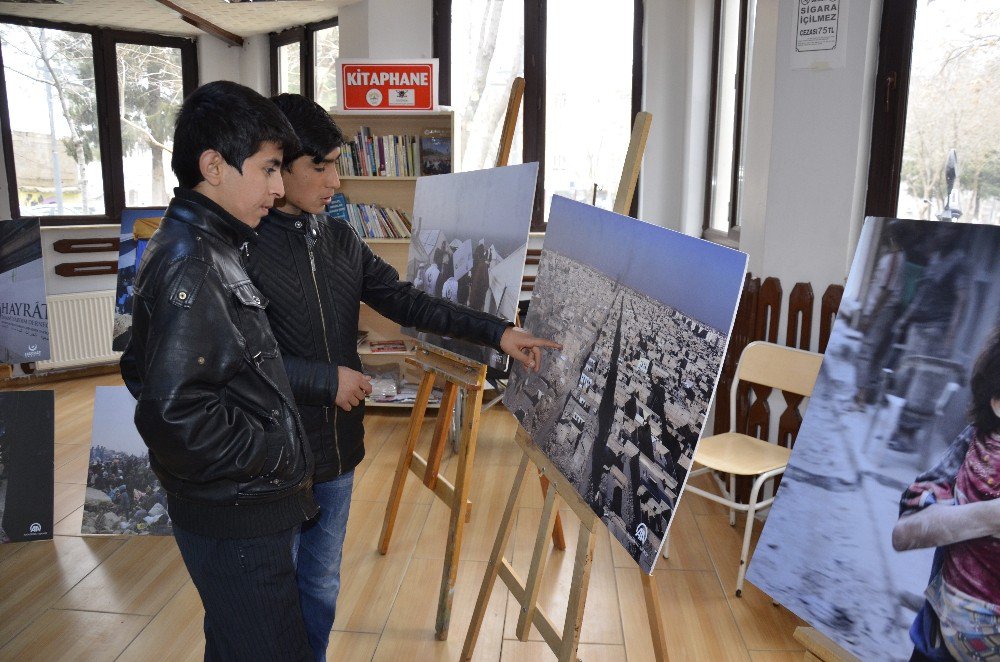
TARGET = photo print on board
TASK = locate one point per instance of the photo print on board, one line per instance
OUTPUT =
(138, 225)
(124, 496)
(24, 318)
(644, 316)
(27, 448)
(470, 239)
(873, 537)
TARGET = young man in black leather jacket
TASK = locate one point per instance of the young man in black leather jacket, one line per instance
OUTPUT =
(213, 403)
(317, 272)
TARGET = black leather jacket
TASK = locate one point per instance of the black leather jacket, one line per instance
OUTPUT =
(316, 288)
(214, 404)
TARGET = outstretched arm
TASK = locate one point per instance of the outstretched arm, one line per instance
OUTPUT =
(939, 525)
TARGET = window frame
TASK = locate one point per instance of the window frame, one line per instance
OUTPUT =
(104, 42)
(533, 119)
(731, 236)
(305, 36)
(889, 106)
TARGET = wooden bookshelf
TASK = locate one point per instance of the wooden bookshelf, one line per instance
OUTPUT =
(395, 192)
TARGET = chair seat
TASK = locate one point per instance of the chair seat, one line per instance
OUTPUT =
(735, 453)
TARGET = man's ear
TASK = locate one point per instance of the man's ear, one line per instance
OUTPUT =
(211, 163)
(995, 403)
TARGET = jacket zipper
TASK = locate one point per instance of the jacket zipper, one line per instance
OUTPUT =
(326, 346)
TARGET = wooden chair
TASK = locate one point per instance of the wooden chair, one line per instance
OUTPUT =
(790, 370)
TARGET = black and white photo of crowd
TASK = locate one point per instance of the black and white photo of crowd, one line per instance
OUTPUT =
(871, 538)
(123, 494)
(621, 408)
(469, 244)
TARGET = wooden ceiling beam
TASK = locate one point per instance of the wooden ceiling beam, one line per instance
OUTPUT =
(204, 24)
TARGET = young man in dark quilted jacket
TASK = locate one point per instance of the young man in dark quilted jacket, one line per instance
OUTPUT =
(316, 273)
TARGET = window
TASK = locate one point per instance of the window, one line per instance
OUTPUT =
(724, 171)
(303, 61)
(935, 135)
(87, 118)
(581, 151)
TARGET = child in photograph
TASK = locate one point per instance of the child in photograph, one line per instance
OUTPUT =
(213, 403)
(317, 272)
(955, 507)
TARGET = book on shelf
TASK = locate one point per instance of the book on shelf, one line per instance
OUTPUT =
(435, 152)
(369, 220)
(385, 346)
(368, 155)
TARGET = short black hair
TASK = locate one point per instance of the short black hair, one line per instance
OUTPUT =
(317, 132)
(985, 386)
(230, 118)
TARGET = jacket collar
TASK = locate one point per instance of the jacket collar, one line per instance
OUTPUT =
(193, 208)
(294, 223)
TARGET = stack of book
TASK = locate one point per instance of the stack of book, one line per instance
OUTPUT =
(379, 156)
(371, 221)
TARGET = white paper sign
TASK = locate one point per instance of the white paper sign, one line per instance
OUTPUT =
(820, 29)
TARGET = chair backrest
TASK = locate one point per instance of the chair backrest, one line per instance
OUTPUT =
(785, 368)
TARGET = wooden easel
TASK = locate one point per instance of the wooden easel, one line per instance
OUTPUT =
(565, 643)
(464, 382)
(819, 647)
(458, 373)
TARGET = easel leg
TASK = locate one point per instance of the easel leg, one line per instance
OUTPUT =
(405, 455)
(578, 594)
(558, 537)
(459, 507)
(442, 428)
(493, 566)
(655, 616)
(538, 558)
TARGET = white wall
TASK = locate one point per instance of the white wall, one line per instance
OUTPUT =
(248, 65)
(805, 226)
(386, 29)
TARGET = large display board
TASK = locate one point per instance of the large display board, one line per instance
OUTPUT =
(470, 238)
(123, 494)
(644, 316)
(24, 318)
(898, 450)
(27, 447)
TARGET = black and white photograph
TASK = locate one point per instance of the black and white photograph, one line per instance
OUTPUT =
(644, 329)
(885, 534)
(123, 494)
(24, 317)
(137, 227)
(470, 239)
(27, 447)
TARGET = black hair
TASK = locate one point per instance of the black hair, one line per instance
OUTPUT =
(985, 386)
(317, 132)
(233, 120)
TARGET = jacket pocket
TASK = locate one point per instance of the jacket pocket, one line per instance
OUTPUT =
(251, 308)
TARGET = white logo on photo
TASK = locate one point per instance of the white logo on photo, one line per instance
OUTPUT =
(641, 533)
(35, 528)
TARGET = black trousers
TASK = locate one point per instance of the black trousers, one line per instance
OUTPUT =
(251, 599)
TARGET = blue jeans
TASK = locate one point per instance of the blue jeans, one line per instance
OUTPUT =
(317, 551)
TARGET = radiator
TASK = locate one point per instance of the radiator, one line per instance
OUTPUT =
(80, 327)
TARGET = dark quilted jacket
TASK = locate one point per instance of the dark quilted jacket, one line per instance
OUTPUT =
(316, 320)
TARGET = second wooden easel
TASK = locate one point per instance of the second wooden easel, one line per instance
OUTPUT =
(464, 383)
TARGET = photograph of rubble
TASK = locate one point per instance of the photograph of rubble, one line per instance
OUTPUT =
(27, 449)
(123, 494)
(24, 317)
(885, 534)
(644, 316)
(470, 239)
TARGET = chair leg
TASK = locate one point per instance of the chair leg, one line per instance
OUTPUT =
(732, 497)
(747, 530)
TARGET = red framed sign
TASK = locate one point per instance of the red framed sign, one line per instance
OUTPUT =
(387, 84)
